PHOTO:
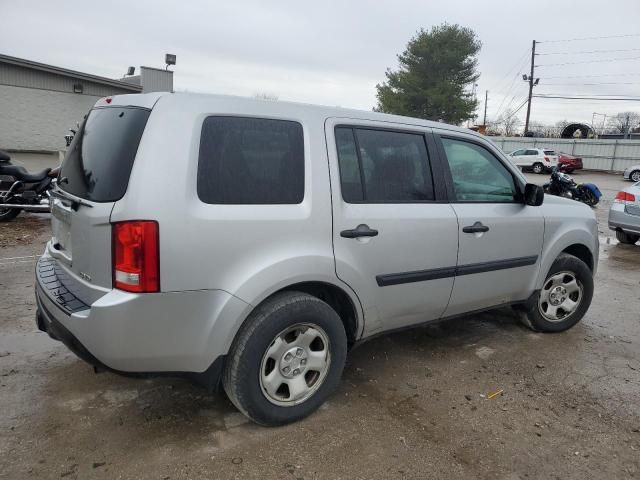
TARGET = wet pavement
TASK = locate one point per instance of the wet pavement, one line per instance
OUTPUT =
(417, 404)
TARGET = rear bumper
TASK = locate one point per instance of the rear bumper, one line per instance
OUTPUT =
(619, 219)
(173, 333)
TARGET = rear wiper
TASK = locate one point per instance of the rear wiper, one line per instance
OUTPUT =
(75, 201)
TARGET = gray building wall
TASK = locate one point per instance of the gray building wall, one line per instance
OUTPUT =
(39, 103)
(156, 80)
(37, 120)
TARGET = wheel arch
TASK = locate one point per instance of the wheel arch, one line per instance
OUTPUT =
(340, 297)
(570, 236)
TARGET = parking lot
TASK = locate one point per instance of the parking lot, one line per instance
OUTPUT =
(423, 403)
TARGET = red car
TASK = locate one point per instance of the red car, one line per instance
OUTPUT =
(569, 162)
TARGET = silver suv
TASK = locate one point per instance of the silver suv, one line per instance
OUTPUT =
(250, 244)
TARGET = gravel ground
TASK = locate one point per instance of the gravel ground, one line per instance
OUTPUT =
(417, 404)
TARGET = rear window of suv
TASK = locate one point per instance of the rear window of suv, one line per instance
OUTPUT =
(549, 152)
(251, 161)
(99, 160)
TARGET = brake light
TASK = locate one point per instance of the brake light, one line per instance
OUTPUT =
(546, 159)
(624, 197)
(136, 261)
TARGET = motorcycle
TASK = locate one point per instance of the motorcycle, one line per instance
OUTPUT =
(563, 185)
(22, 190)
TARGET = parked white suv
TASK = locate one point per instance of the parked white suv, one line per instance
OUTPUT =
(249, 244)
(535, 159)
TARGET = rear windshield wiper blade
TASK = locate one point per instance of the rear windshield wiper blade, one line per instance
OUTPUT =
(75, 201)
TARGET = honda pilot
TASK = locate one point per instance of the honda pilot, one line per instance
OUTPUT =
(249, 244)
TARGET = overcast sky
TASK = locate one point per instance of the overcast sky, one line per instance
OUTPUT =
(334, 52)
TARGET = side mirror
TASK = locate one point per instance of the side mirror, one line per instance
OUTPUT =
(533, 195)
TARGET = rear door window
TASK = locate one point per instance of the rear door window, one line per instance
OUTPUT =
(99, 160)
(251, 161)
(379, 166)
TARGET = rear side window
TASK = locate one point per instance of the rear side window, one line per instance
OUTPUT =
(379, 166)
(531, 152)
(99, 160)
(251, 161)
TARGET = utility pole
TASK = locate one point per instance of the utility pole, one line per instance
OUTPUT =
(486, 97)
(533, 59)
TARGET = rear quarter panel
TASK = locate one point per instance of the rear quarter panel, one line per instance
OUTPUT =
(249, 251)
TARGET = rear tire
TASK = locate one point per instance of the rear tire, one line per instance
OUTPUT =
(286, 360)
(538, 168)
(627, 238)
(564, 297)
(635, 176)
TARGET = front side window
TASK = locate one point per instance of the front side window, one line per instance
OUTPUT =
(478, 176)
(518, 152)
(251, 161)
(379, 166)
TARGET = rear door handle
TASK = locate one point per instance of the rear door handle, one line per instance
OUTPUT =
(477, 227)
(361, 230)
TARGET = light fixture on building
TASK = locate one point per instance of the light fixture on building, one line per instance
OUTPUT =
(169, 59)
(130, 71)
(77, 88)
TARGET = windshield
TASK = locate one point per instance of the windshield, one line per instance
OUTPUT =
(99, 160)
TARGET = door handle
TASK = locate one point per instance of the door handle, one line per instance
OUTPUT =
(361, 230)
(477, 227)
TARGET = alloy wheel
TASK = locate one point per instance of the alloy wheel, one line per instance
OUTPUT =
(560, 296)
(295, 364)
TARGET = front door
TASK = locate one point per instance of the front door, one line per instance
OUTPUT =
(395, 238)
(500, 238)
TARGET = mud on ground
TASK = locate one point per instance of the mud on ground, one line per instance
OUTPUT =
(411, 405)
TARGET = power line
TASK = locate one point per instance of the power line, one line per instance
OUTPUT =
(590, 38)
(588, 61)
(590, 51)
(589, 84)
(594, 76)
(518, 109)
(635, 99)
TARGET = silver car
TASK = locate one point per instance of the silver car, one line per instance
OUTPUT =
(632, 173)
(624, 215)
(250, 244)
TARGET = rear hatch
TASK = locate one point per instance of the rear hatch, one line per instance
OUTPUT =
(553, 156)
(94, 175)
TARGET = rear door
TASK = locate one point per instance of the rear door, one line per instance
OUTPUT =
(94, 175)
(395, 237)
(500, 238)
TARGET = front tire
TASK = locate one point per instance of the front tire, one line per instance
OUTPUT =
(635, 176)
(7, 214)
(538, 168)
(286, 360)
(626, 238)
(564, 297)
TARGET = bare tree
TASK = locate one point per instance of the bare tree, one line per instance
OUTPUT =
(508, 122)
(623, 122)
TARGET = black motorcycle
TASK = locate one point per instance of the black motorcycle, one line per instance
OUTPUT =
(22, 190)
(562, 185)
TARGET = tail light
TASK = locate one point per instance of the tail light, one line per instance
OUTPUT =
(136, 261)
(624, 197)
(546, 159)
